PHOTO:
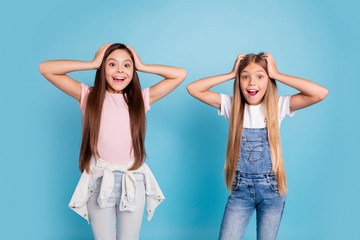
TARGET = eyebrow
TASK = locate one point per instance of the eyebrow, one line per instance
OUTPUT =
(116, 60)
(255, 71)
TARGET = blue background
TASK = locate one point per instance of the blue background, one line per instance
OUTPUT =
(186, 140)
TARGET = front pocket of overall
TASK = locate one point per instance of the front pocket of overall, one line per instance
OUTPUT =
(252, 149)
(235, 184)
(273, 186)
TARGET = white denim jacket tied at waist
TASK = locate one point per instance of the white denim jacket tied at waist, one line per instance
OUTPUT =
(100, 168)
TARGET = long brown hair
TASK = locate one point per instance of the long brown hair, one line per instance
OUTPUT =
(270, 109)
(92, 117)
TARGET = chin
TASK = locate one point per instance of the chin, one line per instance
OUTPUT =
(253, 101)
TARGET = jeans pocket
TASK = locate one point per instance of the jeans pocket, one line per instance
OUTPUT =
(235, 184)
(252, 149)
(274, 186)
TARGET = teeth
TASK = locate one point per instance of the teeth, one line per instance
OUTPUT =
(119, 78)
(253, 91)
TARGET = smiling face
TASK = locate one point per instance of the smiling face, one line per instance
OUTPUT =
(119, 69)
(253, 83)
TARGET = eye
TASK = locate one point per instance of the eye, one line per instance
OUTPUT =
(260, 77)
(244, 77)
(127, 65)
(112, 64)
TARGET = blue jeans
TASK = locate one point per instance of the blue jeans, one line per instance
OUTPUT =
(250, 192)
(109, 223)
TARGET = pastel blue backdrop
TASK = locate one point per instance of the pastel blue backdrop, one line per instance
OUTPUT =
(186, 139)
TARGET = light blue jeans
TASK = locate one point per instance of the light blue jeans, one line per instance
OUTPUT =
(250, 192)
(109, 223)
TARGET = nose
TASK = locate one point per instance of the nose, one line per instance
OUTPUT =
(120, 69)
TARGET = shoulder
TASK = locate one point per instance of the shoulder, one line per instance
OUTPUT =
(85, 89)
(284, 106)
(225, 106)
(225, 99)
(146, 96)
(283, 99)
(145, 91)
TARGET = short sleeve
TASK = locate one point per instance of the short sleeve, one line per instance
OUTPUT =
(85, 89)
(284, 107)
(225, 108)
(146, 97)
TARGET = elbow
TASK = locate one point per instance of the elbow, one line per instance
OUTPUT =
(190, 89)
(323, 94)
(43, 69)
(183, 74)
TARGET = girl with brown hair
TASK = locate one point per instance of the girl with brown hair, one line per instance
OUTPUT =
(115, 181)
(254, 168)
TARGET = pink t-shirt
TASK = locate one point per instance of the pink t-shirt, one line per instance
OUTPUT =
(114, 143)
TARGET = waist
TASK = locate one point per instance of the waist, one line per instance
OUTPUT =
(96, 162)
(255, 176)
(252, 134)
(99, 167)
(119, 174)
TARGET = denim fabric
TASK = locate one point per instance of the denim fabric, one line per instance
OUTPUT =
(101, 168)
(254, 188)
(254, 154)
(108, 223)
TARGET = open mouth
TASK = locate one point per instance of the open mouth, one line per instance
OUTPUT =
(119, 79)
(252, 92)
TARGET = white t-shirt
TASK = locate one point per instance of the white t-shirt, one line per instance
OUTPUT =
(253, 115)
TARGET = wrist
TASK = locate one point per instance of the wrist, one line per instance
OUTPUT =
(93, 65)
(275, 75)
(231, 75)
(140, 67)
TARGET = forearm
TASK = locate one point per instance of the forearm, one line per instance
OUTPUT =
(306, 87)
(62, 67)
(209, 82)
(167, 72)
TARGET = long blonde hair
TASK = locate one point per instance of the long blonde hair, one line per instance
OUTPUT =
(270, 109)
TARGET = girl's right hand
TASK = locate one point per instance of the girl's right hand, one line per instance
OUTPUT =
(55, 71)
(200, 89)
(99, 55)
(237, 63)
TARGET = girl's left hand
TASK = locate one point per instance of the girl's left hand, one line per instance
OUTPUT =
(138, 63)
(271, 65)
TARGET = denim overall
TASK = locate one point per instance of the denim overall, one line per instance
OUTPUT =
(254, 187)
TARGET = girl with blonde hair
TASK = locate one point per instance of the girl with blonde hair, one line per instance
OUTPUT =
(254, 168)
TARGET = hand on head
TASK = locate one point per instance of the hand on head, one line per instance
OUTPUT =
(271, 65)
(99, 55)
(138, 62)
(237, 62)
